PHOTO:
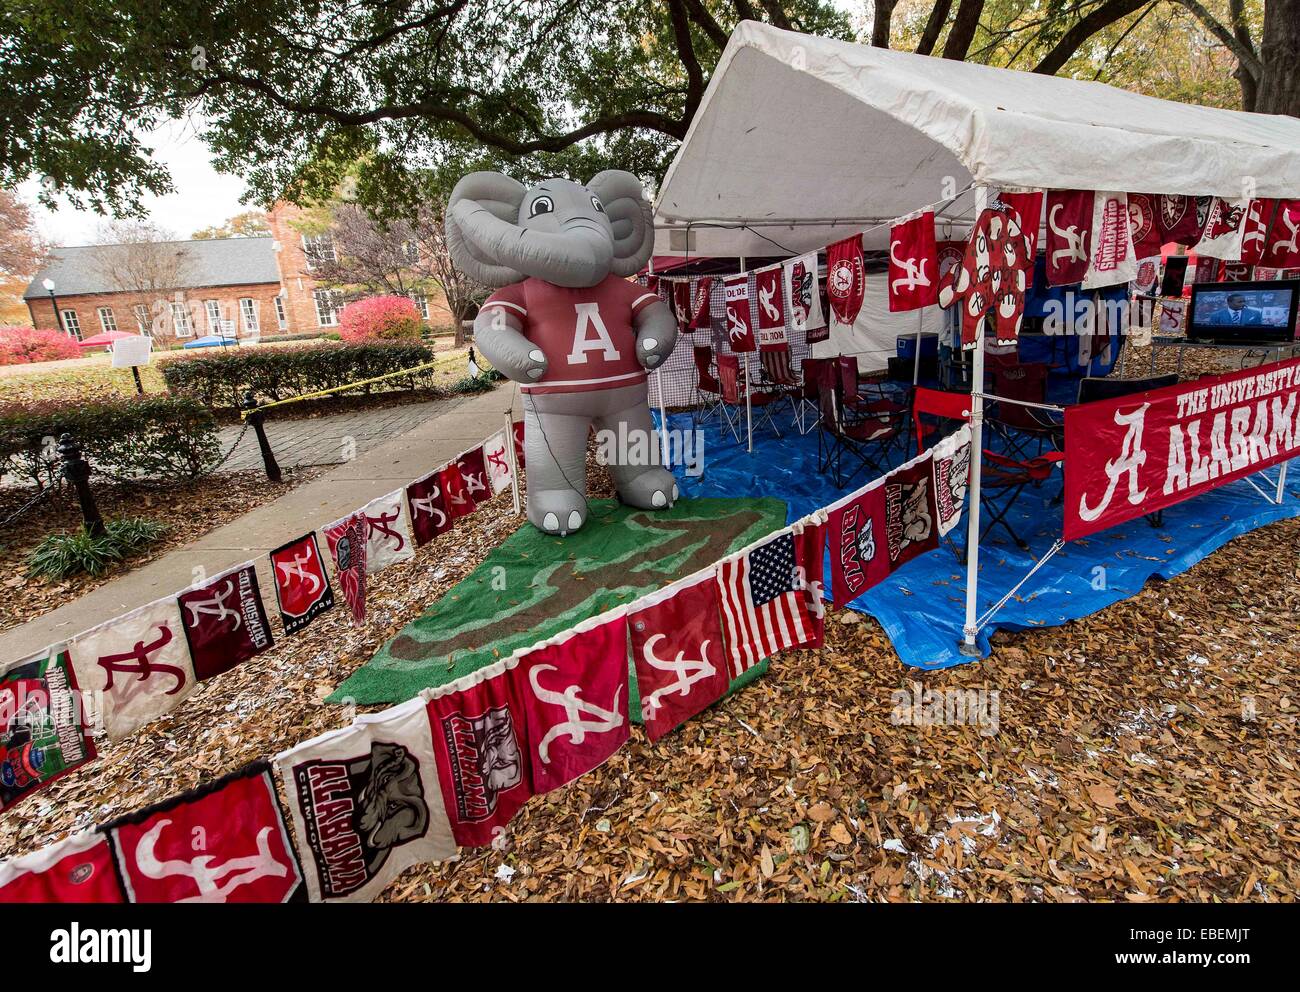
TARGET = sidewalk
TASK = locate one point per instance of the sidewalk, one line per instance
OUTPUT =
(424, 447)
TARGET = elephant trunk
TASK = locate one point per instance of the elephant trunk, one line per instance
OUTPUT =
(578, 256)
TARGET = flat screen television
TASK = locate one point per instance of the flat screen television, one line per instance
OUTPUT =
(1245, 312)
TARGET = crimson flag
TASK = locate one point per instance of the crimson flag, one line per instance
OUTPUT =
(1254, 236)
(1029, 207)
(517, 428)
(473, 473)
(678, 651)
(575, 690)
(765, 607)
(740, 329)
(429, 514)
(855, 529)
(1282, 250)
(480, 738)
(223, 842)
(302, 586)
(913, 264)
(225, 621)
(846, 278)
(1147, 234)
(700, 318)
(346, 539)
(911, 516)
(78, 869)
(771, 308)
(682, 302)
(1069, 218)
(1179, 219)
(454, 491)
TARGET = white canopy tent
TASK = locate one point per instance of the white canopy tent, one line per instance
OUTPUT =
(799, 141)
(830, 136)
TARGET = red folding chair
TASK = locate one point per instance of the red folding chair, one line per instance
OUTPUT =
(1020, 426)
(864, 439)
(731, 377)
(708, 391)
(940, 405)
(810, 408)
(776, 375)
(864, 399)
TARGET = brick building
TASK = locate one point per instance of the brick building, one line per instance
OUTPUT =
(179, 290)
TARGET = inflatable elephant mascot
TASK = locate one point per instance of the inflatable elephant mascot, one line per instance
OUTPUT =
(569, 327)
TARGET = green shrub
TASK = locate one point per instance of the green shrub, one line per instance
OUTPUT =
(61, 555)
(220, 380)
(147, 437)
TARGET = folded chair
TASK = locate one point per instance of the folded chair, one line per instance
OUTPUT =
(863, 440)
(731, 377)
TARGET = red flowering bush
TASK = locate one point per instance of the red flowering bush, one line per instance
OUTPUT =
(20, 345)
(380, 318)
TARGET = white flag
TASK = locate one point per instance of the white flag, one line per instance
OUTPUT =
(496, 459)
(802, 294)
(1111, 258)
(388, 531)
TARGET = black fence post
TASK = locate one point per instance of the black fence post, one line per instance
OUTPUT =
(77, 471)
(255, 417)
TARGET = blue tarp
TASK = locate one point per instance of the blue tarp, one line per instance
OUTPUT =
(922, 606)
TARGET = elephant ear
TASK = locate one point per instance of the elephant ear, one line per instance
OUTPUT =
(629, 214)
(500, 196)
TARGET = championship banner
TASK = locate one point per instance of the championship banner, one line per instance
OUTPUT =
(42, 731)
(574, 688)
(139, 663)
(771, 309)
(429, 514)
(496, 461)
(302, 587)
(846, 278)
(677, 649)
(1282, 247)
(388, 537)
(740, 331)
(1138, 454)
(223, 842)
(800, 283)
(1069, 219)
(480, 738)
(1111, 258)
(78, 869)
(913, 264)
(365, 803)
(346, 539)
(225, 621)
(473, 473)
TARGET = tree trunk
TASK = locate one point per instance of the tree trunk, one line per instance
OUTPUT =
(1279, 84)
(880, 25)
(962, 32)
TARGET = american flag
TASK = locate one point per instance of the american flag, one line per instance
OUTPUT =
(764, 604)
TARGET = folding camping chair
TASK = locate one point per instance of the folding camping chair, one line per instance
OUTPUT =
(776, 376)
(1017, 425)
(731, 377)
(938, 404)
(708, 391)
(867, 398)
(864, 439)
(809, 407)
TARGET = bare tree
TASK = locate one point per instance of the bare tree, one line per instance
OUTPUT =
(142, 259)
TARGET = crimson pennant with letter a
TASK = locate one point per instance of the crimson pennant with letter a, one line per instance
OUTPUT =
(846, 278)
(455, 493)
(225, 621)
(740, 329)
(679, 653)
(429, 513)
(913, 264)
(1069, 223)
(575, 689)
(771, 309)
(480, 738)
(473, 473)
(302, 588)
(223, 842)
(139, 663)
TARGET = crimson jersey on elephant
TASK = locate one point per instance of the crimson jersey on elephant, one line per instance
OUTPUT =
(569, 327)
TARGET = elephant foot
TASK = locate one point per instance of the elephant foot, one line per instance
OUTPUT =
(653, 489)
(557, 511)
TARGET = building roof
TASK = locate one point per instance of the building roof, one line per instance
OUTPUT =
(799, 140)
(79, 270)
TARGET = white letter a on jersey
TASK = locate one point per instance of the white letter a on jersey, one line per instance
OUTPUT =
(589, 317)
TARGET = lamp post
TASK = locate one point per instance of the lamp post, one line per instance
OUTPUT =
(54, 304)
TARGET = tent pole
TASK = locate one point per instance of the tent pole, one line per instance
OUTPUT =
(663, 421)
(749, 416)
(514, 462)
(969, 647)
(916, 359)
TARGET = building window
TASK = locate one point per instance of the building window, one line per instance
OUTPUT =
(181, 320)
(213, 309)
(318, 248)
(107, 322)
(280, 317)
(142, 320)
(248, 315)
(421, 301)
(71, 324)
(328, 303)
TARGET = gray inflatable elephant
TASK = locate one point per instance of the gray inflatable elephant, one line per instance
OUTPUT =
(569, 327)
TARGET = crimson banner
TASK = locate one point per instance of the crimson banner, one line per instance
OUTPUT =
(1138, 454)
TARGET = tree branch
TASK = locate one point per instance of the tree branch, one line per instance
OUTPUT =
(1245, 52)
(706, 23)
(1098, 18)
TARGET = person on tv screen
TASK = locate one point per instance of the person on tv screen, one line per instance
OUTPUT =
(1236, 313)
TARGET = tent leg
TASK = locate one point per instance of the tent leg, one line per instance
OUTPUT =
(916, 359)
(749, 417)
(969, 647)
(514, 462)
(663, 423)
(1281, 482)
